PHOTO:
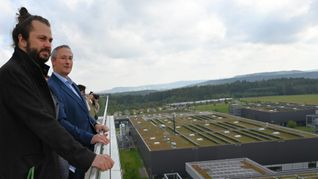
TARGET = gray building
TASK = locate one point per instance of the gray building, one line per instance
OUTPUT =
(275, 113)
(218, 136)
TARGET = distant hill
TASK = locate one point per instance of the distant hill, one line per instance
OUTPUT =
(263, 76)
(248, 77)
(151, 88)
(140, 93)
(237, 89)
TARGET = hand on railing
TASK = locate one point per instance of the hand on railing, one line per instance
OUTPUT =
(101, 128)
(100, 138)
(103, 162)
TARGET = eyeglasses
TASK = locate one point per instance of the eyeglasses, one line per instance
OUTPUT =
(66, 58)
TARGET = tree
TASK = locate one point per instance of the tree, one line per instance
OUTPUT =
(291, 124)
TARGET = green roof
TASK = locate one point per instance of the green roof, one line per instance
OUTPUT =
(208, 129)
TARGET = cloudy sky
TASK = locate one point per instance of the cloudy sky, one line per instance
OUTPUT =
(120, 43)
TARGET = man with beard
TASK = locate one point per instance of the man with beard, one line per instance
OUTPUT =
(29, 133)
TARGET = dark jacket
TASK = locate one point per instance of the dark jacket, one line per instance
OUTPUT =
(73, 113)
(29, 133)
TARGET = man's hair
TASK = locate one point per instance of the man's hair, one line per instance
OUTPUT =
(96, 96)
(24, 25)
(54, 52)
(81, 87)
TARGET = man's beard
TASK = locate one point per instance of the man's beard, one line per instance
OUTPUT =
(35, 54)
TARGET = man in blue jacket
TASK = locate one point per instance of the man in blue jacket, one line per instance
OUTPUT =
(73, 113)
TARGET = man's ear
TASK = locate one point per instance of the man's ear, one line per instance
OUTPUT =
(53, 61)
(22, 42)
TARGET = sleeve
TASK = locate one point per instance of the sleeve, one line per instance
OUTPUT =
(80, 135)
(92, 121)
(23, 94)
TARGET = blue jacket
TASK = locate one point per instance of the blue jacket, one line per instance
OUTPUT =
(73, 113)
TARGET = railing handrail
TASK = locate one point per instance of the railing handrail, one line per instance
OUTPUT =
(111, 149)
(93, 173)
(105, 111)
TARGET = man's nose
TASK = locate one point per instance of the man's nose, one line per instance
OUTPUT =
(48, 43)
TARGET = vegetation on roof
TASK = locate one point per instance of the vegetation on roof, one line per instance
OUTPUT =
(208, 130)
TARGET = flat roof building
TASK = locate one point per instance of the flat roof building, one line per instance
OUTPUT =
(242, 168)
(166, 146)
(275, 113)
(227, 168)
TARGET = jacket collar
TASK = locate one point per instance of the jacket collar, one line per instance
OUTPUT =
(81, 100)
(39, 65)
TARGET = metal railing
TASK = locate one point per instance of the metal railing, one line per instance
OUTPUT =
(110, 149)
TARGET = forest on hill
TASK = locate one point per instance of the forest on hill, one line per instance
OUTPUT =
(237, 89)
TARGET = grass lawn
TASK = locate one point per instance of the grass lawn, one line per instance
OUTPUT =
(300, 99)
(131, 163)
(307, 129)
(218, 107)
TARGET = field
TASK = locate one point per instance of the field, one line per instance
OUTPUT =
(300, 99)
(218, 107)
(131, 163)
(304, 128)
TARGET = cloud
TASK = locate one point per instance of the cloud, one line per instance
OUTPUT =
(130, 43)
(264, 22)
